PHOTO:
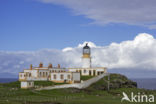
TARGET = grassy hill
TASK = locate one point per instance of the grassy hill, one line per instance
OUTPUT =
(97, 93)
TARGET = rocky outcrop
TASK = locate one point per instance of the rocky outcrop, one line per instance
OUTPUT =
(116, 81)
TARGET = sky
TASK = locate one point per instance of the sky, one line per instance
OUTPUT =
(121, 33)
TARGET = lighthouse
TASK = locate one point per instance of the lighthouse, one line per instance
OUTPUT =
(86, 58)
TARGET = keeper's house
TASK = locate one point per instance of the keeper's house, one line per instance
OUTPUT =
(55, 74)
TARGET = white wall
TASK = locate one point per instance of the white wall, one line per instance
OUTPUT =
(27, 84)
(34, 73)
(84, 72)
(22, 76)
(24, 85)
(72, 70)
(76, 76)
(86, 62)
(58, 76)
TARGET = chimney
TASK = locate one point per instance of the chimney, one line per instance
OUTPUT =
(58, 65)
(41, 65)
(50, 66)
(30, 66)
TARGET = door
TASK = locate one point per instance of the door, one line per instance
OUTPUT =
(94, 72)
(90, 73)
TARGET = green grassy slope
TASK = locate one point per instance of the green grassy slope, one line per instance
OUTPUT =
(46, 83)
(96, 94)
(84, 78)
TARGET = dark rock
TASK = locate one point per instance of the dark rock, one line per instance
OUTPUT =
(116, 81)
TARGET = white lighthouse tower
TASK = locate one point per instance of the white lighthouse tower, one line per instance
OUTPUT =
(86, 59)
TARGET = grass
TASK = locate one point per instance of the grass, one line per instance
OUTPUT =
(10, 93)
(15, 84)
(46, 83)
(86, 77)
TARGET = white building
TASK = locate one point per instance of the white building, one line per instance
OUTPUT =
(55, 74)
(27, 84)
(58, 74)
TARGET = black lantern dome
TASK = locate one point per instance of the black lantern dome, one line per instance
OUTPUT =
(86, 49)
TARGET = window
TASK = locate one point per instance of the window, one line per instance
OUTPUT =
(68, 76)
(26, 74)
(86, 51)
(84, 71)
(62, 77)
(43, 74)
(90, 72)
(40, 74)
(29, 74)
(46, 73)
(54, 76)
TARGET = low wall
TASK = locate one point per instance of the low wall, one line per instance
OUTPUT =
(82, 85)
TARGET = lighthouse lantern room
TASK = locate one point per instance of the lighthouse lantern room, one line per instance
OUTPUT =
(86, 59)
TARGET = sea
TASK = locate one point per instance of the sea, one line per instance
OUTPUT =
(146, 83)
(7, 80)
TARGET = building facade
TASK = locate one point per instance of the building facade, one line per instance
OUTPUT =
(54, 74)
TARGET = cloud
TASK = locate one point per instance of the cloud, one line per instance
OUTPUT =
(133, 12)
(137, 55)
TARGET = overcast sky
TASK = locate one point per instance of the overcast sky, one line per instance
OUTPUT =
(120, 32)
